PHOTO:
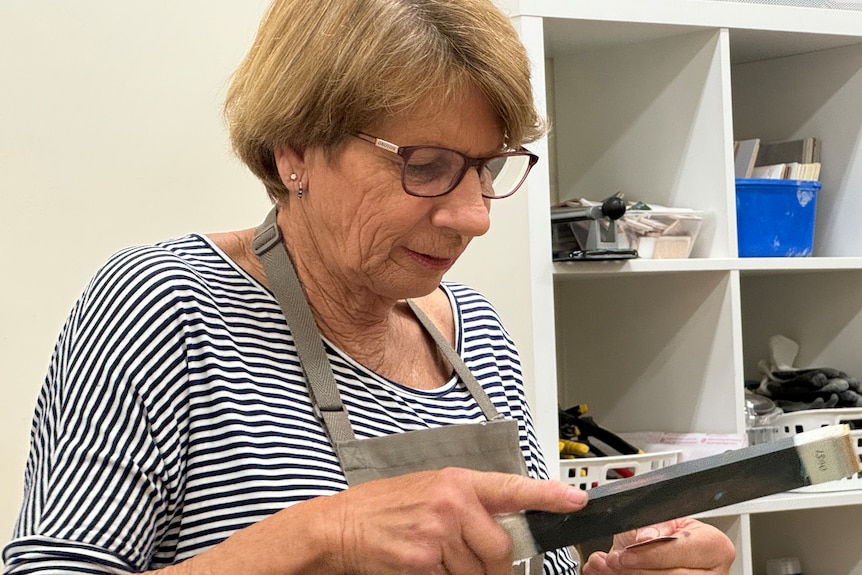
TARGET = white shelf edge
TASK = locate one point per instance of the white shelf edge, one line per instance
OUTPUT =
(789, 502)
(698, 13)
(747, 266)
(614, 267)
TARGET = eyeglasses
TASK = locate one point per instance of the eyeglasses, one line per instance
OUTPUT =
(431, 171)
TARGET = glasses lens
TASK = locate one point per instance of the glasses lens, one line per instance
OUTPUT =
(432, 171)
(507, 173)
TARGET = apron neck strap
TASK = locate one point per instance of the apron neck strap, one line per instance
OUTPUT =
(323, 391)
(470, 381)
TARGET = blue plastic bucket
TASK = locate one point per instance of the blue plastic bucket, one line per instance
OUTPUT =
(775, 218)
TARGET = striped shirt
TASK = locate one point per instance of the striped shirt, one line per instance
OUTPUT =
(175, 412)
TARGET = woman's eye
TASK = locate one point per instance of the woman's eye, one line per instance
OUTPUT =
(424, 172)
(428, 168)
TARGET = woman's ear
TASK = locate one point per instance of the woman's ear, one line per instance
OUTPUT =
(290, 164)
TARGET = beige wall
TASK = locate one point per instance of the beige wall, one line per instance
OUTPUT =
(111, 135)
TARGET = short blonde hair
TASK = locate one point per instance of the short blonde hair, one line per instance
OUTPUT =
(321, 70)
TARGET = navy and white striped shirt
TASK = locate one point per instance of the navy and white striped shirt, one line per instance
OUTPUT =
(175, 413)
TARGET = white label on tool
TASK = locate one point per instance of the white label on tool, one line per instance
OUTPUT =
(827, 453)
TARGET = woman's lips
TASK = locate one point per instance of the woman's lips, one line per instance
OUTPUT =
(430, 261)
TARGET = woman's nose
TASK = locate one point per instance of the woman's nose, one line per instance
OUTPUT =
(464, 209)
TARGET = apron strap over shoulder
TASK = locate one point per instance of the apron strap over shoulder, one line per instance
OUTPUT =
(473, 385)
(269, 247)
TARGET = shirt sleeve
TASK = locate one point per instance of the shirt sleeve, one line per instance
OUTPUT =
(101, 478)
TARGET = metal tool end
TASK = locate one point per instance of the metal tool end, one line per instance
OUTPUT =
(523, 544)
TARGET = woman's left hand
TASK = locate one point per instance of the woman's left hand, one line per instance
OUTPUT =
(696, 548)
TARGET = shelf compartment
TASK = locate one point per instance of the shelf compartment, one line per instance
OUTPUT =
(653, 352)
(812, 95)
(820, 310)
(647, 119)
(826, 540)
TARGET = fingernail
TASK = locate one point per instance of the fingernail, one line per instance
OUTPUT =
(576, 496)
(627, 559)
(648, 533)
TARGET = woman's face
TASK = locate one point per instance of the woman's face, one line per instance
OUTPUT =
(368, 233)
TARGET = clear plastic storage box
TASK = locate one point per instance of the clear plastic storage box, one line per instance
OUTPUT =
(659, 234)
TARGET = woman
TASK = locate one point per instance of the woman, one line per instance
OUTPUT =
(188, 423)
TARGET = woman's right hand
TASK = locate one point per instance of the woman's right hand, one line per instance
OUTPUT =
(432, 522)
(438, 522)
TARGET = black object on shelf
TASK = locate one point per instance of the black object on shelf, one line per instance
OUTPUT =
(598, 241)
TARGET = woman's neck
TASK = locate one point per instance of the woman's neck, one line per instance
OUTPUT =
(380, 333)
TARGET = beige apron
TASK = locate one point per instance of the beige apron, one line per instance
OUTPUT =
(492, 445)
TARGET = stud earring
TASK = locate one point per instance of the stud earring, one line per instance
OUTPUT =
(293, 178)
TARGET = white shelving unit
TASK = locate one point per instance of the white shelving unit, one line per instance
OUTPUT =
(646, 98)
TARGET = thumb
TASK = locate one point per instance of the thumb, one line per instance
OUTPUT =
(504, 493)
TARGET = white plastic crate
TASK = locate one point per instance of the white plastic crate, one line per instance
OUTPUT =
(589, 472)
(789, 424)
